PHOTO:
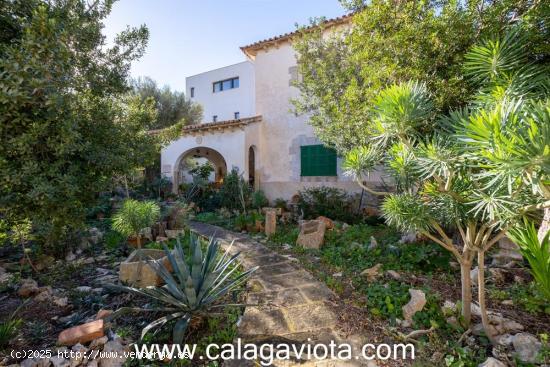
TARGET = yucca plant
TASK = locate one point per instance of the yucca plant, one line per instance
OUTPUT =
(536, 252)
(135, 216)
(195, 284)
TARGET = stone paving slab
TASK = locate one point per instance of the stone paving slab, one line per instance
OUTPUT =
(291, 306)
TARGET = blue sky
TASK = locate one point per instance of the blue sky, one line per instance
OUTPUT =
(188, 37)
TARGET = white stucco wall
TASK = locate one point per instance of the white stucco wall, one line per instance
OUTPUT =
(224, 104)
(282, 133)
(230, 144)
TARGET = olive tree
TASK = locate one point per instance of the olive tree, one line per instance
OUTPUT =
(479, 172)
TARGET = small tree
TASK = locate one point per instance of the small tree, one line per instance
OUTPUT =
(484, 168)
(135, 216)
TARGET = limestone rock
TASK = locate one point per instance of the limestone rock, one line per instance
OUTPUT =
(373, 243)
(35, 362)
(527, 347)
(270, 222)
(504, 339)
(373, 272)
(329, 224)
(58, 361)
(61, 301)
(113, 347)
(393, 274)
(409, 237)
(416, 304)
(497, 275)
(174, 233)
(79, 354)
(312, 234)
(492, 362)
(474, 274)
(99, 342)
(28, 288)
(81, 333)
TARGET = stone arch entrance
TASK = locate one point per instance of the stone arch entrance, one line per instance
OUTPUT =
(204, 153)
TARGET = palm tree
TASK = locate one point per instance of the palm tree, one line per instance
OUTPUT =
(134, 216)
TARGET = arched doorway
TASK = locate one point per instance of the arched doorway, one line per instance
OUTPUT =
(195, 157)
(252, 166)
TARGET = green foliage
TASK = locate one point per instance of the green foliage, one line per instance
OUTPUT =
(393, 43)
(135, 216)
(196, 285)
(235, 191)
(171, 105)
(66, 124)
(259, 200)
(113, 240)
(202, 171)
(530, 298)
(280, 203)
(327, 201)
(536, 252)
(8, 331)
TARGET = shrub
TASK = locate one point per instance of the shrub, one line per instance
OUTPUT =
(135, 216)
(280, 203)
(259, 200)
(536, 252)
(235, 191)
(327, 201)
(197, 283)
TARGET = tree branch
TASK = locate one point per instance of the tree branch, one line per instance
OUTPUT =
(371, 191)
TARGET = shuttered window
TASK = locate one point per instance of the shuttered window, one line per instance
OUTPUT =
(317, 160)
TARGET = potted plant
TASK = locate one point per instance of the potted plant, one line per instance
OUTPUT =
(129, 221)
(134, 216)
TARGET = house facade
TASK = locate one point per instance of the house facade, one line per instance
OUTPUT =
(249, 124)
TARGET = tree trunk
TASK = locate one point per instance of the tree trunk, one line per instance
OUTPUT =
(481, 296)
(465, 269)
(545, 225)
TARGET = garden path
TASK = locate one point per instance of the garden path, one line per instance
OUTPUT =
(293, 307)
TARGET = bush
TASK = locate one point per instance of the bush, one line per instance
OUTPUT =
(327, 201)
(259, 200)
(235, 191)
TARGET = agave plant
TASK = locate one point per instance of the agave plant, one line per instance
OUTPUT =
(194, 284)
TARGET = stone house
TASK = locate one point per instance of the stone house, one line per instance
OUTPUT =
(249, 124)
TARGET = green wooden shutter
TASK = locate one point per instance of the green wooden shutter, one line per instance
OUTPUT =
(317, 160)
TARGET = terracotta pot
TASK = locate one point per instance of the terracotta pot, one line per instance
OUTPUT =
(133, 241)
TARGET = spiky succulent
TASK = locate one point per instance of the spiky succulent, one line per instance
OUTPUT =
(194, 284)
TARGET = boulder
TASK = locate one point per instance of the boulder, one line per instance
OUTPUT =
(28, 288)
(504, 339)
(474, 274)
(270, 222)
(416, 304)
(135, 269)
(527, 347)
(82, 333)
(79, 352)
(329, 224)
(372, 273)
(312, 234)
(44, 294)
(492, 362)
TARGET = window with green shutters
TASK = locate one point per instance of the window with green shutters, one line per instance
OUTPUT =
(317, 160)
